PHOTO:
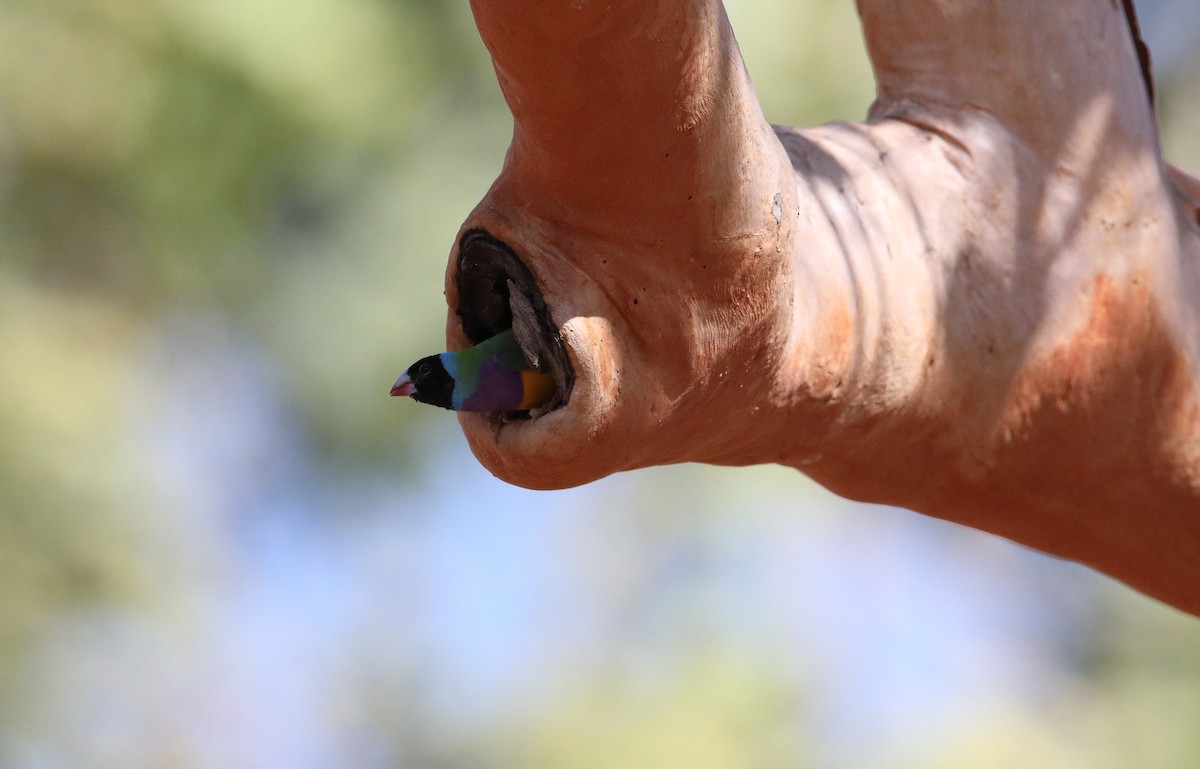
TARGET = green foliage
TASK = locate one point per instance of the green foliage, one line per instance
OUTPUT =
(703, 711)
(69, 474)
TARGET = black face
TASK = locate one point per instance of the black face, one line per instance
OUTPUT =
(433, 385)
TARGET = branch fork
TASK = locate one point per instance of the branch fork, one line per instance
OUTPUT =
(980, 304)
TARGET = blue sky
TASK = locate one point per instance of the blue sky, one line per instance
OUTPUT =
(470, 600)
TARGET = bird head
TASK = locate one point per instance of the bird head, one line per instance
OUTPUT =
(427, 381)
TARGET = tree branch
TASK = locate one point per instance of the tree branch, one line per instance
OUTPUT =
(980, 304)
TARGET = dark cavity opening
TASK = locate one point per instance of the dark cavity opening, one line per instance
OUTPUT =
(496, 292)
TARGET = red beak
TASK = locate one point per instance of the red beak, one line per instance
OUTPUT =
(403, 386)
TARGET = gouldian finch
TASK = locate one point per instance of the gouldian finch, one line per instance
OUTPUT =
(491, 376)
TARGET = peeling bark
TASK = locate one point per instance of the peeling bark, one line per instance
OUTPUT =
(980, 304)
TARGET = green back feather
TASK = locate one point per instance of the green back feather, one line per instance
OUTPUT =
(465, 365)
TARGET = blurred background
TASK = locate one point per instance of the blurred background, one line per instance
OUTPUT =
(223, 228)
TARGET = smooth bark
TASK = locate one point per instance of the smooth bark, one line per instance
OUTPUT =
(980, 304)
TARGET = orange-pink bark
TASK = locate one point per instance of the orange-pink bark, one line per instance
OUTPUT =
(983, 303)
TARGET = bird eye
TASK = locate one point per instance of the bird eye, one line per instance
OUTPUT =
(424, 369)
